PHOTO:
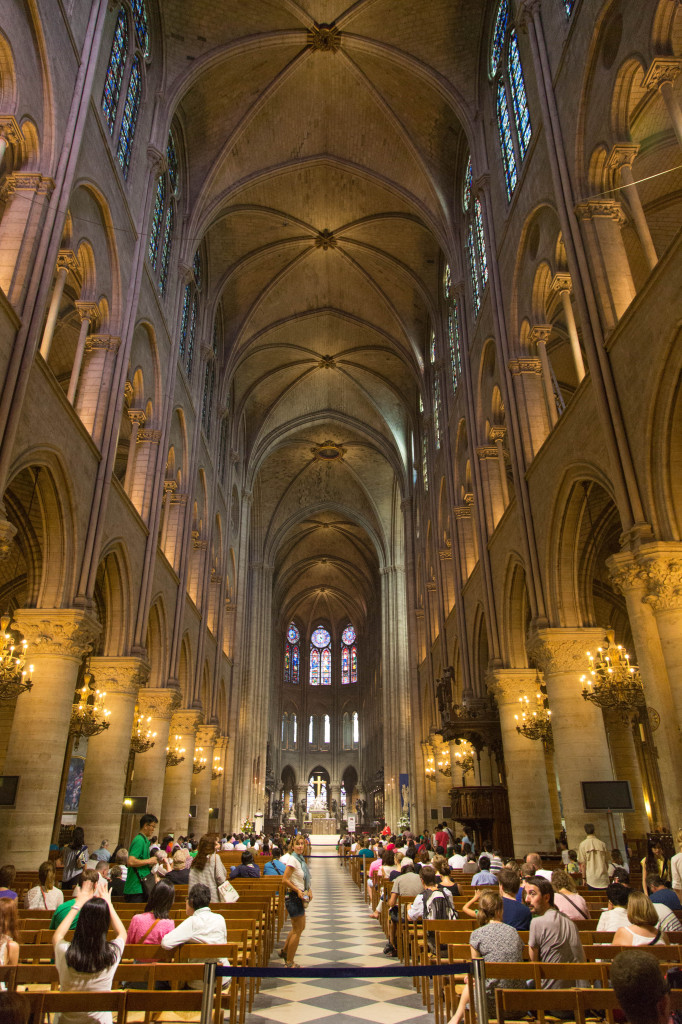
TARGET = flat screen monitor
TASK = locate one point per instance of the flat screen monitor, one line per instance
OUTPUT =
(8, 790)
(607, 796)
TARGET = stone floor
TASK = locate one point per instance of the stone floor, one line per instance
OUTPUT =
(338, 931)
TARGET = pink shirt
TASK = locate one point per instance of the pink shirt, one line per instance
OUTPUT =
(374, 867)
(139, 925)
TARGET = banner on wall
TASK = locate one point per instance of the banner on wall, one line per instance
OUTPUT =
(351, 823)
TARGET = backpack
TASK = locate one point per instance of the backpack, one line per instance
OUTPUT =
(438, 906)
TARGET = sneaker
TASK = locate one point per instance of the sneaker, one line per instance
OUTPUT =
(387, 948)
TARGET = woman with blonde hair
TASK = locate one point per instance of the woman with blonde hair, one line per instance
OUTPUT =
(644, 928)
(494, 941)
(45, 895)
(566, 897)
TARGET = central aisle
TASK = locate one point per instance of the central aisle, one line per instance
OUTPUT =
(338, 931)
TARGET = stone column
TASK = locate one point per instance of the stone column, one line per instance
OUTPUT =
(174, 518)
(621, 159)
(201, 796)
(539, 336)
(26, 196)
(66, 261)
(10, 134)
(335, 794)
(218, 784)
(561, 283)
(626, 766)
(466, 536)
(142, 484)
(611, 275)
(58, 640)
(529, 806)
(177, 787)
(396, 707)
(150, 768)
(629, 579)
(581, 747)
(95, 383)
(493, 501)
(137, 418)
(529, 388)
(104, 778)
(662, 567)
(661, 74)
(89, 314)
(497, 436)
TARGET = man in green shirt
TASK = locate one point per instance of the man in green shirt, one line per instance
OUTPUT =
(89, 881)
(139, 861)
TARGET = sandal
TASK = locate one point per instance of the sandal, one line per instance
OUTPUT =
(290, 963)
(281, 953)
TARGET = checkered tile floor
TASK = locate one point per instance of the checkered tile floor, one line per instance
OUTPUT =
(338, 931)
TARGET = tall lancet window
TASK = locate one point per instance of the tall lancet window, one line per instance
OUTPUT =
(292, 655)
(476, 251)
(511, 103)
(320, 658)
(454, 344)
(349, 656)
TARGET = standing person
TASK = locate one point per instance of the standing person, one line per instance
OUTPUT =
(494, 941)
(553, 938)
(73, 858)
(153, 923)
(567, 899)
(655, 863)
(676, 866)
(88, 963)
(140, 862)
(46, 895)
(207, 868)
(9, 933)
(643, 927)
(593, 857)
(298, 895)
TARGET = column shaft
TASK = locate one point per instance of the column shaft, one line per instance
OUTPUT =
(150, 767)
(201, 785)
(177, 788)
(53, 312)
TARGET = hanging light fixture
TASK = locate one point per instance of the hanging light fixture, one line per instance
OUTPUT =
(175, 754)
(612, 682)
(443, 762)
(143, 738)
(89, 715)
(217, 769)
(464, 759)
(430, 770)
(15, 677)
(199, 761)
(535, 720)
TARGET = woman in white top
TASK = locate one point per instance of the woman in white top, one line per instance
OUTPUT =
(644, 928)
(88, 963)
(676, 867)
(45, 896)
(298, 894)
(207, 868)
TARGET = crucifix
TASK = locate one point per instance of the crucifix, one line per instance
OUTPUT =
(318, 783)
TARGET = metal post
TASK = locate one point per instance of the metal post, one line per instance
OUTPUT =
(208, 994)
(477, 982)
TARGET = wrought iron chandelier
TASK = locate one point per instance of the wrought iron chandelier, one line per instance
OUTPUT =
(465, 760)
(443, 762)
(217, 769)
(175, 754)
(535, 722)
(200, 762)
(15, 677)
(612, 682)
(430, 770)
(89, 715)
(143, 738)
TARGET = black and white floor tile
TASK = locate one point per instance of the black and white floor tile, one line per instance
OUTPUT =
(339, 931)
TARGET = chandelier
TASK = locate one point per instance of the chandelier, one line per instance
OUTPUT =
(465, 760)
(15, 678)
(89, 715)
(443, 763)
(612, 682)
(535, 723)
(217, 769)
(174, 754)
(199, 764)
(143, 738)
(430, 770)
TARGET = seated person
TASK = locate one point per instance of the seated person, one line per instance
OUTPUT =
(485, 875)
(89, 882)
(200, 925)
(247, 869)
(179, 873)
(640, 988)
(660, 893)
(470, 866)
(100, 866)
(8, 873)
(553, 937)
(275, 866)
(116, 882)
(514, 912)
(433, 902)
(46, 895)
(149, 927)
(616, 915)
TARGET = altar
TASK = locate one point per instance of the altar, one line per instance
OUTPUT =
(322, 826)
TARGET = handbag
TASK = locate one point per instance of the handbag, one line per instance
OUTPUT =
(147, 883)
(226, 891)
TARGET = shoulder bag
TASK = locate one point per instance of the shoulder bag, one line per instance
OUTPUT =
(226, 891)
(147, 883)
(575, 906)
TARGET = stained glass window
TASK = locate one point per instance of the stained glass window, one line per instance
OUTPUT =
(454, 346)
(497, 44)
(166, 251)
(141, 25)
(480, 241)
(518, 95)
(447, 282)
(327, 731)
(185, 319)
(425, 467)
(311, 730)
(196, 268)
(291, 655)
(356, 729)
(157, 221)
(436, 409)
(467, 187)
(508, 155)
(207, 406)
(432, 348)
(117, 60)
(129, 120)
(349, 657)
(320, 658)
(294, 731)
(214, 344)
(192, 336)
(343, 794)
(475, 290)
(172, 157)
(568, 7)
(421, 403)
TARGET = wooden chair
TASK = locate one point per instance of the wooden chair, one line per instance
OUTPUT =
(155, 1002)
(44, 975)
(84, 1002)
(512, 1004)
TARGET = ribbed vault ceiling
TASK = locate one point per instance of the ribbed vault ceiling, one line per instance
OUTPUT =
(320, 177)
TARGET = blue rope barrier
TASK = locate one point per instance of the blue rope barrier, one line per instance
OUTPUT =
(342, 972)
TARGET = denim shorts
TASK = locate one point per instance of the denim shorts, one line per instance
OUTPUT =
(294, 904)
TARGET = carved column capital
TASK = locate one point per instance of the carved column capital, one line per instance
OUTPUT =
(158, 162)
(562, 650)
(662, 70)
(185, 722)
(137, 416)
(102, 341)
(561, 283)
(59, 632)
(148, 436)
(120, 675)
(486, 452)
(594, 209)
(622, 155)
(625, 573)
(24, 182)
(498, 433)
(528, 364)
(10, 130)
(661, 567)
(221, 744)
(526, 10)
(7, 533)
(207, 735)
(87, 311)
(539, 332)
(506, 685)
(156, 702)
(67, 260)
